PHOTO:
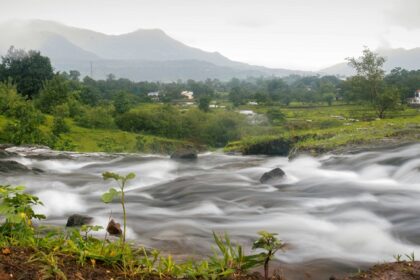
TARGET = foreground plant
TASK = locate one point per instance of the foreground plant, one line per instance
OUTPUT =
(112, 193)
(16, 207)
(271, 244)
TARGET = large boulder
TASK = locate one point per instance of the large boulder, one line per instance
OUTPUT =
(77, 220)
(272, 175)
(114, 228)
(7, 166)
(184, 154)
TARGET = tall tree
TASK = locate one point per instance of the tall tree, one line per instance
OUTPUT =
(369, 67)
(28, 70)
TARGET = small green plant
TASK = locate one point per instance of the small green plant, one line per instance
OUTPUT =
(398, 258)
(233, 261)
(271, 244)
(88, 228)
(112, 193)
(411, 257)
(16, 207)
(50, 268)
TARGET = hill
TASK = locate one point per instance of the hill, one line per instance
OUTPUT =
(145, 54)
(407, 59)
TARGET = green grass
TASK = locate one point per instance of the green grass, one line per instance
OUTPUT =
(319, 129)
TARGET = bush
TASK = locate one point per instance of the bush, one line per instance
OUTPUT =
(97, 117)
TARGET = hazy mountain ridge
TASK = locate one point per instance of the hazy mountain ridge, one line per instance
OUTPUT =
(143, 54)
(405, 58)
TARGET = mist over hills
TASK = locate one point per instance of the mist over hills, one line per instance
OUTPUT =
(407, 59)
(139, 55)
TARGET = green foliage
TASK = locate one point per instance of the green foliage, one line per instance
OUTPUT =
(204, 103)
(25, 127)
(270, 244)
(233, 260)
(54, 92)
(96, 117)
(275, 116)
(55, 248)
(28, 70)
(16, 208)
(113, 193)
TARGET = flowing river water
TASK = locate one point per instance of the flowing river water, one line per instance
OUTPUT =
(337, 213)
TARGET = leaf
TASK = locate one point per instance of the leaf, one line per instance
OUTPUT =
(111, 175)
(130, 176)
(110, 195)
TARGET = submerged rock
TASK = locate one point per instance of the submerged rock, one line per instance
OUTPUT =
(114, 228)
(274, 174)
(184, 154)
(77, 220)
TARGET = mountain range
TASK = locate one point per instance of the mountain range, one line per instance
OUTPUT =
(150, 54)
(145, 54)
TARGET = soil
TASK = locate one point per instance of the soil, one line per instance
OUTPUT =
(390, 271)
(16, 264)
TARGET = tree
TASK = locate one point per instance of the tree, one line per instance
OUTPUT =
(204, 103)
(28, 70)
(369, 67)
(55, 92)
(370, 75)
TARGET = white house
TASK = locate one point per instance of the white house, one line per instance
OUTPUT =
(416, 99)
(154, 95)
(247, 112)
(188, 94)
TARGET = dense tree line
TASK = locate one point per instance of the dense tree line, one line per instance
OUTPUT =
(30, 90)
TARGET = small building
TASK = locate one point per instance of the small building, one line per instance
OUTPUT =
(154, 95)
(247, 112)
(253, 103)
(188, 94)
(416, 99)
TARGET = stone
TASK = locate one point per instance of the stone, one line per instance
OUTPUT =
(7, 166)
(272, 175)
(184, 154)
(114, 228)
(77, 220)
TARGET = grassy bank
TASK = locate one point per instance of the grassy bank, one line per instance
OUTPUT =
(322, 129)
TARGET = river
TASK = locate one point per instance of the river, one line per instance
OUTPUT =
(337, 213)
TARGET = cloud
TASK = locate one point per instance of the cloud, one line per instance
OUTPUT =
(405, 13)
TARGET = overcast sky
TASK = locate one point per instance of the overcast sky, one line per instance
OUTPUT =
(299, 34)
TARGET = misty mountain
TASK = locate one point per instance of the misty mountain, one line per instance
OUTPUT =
(139, 55)
(407, 59)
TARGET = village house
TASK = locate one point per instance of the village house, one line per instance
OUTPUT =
(154, 95)
(416, 99)
(188, 94)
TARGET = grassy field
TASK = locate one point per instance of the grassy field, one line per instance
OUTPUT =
(319, 129)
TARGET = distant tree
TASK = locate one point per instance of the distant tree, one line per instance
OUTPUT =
(74, 75)
(275, 116)
(28, 70)
(123, 102)
(370, 68)
(370, 75)
(236, 96)
(204, 103)
(386, 100)
(53, 93)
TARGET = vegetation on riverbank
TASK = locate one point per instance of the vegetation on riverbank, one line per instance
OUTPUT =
(38, 252)
(263, 116)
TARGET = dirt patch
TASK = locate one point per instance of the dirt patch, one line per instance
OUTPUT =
(390, 271)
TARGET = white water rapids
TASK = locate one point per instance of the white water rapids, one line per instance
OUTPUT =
(352, 209)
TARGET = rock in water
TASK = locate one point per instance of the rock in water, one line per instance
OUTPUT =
(11, 165)
(77, 220)
(114, 228)
(184, 154)
(274, 174)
